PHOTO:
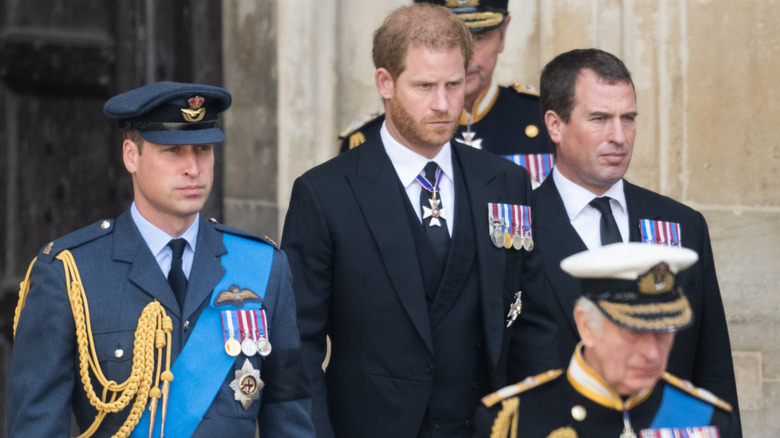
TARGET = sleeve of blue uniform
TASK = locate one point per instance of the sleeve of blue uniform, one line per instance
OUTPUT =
(286, 403)
(44, 359)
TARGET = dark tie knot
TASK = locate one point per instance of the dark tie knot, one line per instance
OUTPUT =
(430, 171)
(602, 205)
(177, 245)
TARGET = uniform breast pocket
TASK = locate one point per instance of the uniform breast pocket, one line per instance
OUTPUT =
(115, 354)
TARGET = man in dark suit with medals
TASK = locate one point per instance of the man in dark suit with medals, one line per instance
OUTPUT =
(590, 110)
(391, 255)
(499, 119)
(615, 384)
(102, 334)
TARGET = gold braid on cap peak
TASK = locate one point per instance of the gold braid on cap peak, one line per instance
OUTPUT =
(481, 19)
(505, 424)
(153, 332)
(623, 313)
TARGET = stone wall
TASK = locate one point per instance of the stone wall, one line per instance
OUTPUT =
(705, 73)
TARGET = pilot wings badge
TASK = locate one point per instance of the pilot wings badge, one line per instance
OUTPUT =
(236, 296)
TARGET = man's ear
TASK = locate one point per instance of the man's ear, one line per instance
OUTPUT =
(503, 32)
(554, 125)
(384, 83)
(587, 334)
(130, 154)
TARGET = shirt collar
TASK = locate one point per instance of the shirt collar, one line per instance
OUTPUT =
(585, 381)
(408, 164)
(576, 198)
(158, 239)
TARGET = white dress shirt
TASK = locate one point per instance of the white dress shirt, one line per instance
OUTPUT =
(583, 217)
(157, 240)
(409, 164)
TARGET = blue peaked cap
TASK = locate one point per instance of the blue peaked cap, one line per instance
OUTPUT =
(171, 112)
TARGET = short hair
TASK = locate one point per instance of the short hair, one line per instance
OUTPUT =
(418, 25)
(134, 136)
(593, 316)
(559, 78)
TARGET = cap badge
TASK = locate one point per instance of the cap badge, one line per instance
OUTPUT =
(656, 281)
(236, 296)
(196, 112)
(247, 385)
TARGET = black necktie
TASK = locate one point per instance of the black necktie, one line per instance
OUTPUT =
(176, 277)
(608, 227)
(437, 234)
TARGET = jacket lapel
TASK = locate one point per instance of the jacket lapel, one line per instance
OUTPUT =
(145, 273)
(560, 240)
(207, 269)
(483, 186)
(638, 208)
(378, 192)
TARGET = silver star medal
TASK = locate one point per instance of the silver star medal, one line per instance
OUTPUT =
(469, 140)
(247, 384)
(434, 212)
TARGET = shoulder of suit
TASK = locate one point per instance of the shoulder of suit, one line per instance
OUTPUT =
(699, 393)
(75, 239)
(241, 233)
(518, 388)
(665, 201)
(355, 134)
(525, 90)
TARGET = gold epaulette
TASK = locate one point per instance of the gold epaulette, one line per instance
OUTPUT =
(525, 89)
(701, 394)
(520, 387)
(354, 135)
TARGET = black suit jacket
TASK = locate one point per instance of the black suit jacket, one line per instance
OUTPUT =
(701, 353)
(357, 279)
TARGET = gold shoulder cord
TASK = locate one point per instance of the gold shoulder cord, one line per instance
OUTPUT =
(153, 332)
(505, 424)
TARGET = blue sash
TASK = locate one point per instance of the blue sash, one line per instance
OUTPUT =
(195, 383)
(678, 409)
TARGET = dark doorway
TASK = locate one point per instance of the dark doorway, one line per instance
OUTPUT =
(60, 163)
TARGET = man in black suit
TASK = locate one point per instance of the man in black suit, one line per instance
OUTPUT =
(589, 106)
(392, 259)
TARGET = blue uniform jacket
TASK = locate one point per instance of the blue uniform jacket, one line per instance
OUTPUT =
(120, 277)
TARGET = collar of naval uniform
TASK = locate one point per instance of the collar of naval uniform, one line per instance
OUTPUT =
(592, 386)
(482, 105)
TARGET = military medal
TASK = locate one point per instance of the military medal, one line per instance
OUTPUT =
(660, 232)
(528, 241)
(435, 211)
(496, 224)
(507, 214)
(514, 309)
(263, 344)
(248, 344)
(247, 385)
(538, 166)
(628, 432)
(517, 236)
(232, 346)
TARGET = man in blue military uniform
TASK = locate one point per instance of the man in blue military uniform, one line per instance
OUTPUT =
(616, 384)
(502, 120)
(100, 332)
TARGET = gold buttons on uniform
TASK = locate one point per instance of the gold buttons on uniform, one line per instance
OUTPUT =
(579, 413)
(105, 224)
(119, 353)
(531, 131)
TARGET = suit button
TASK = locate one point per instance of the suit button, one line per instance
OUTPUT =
(435, 425)
(468, 422)
(429, 368)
